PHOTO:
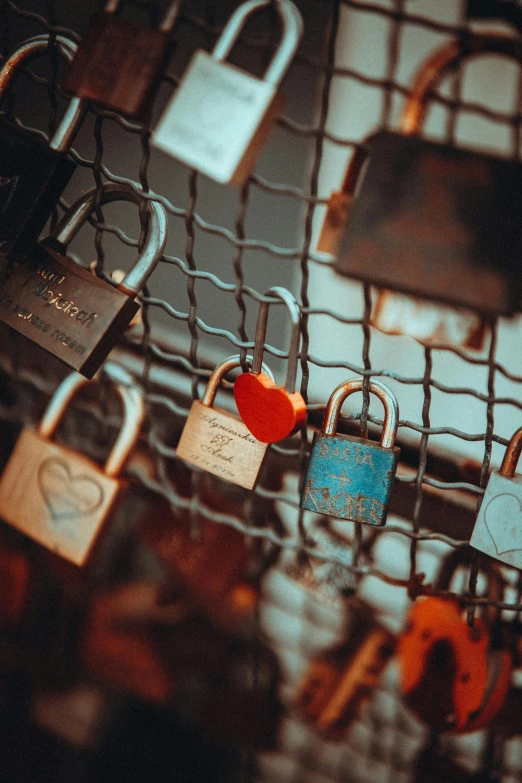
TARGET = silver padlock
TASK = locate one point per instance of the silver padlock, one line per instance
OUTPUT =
(220, 115)
(498, 529)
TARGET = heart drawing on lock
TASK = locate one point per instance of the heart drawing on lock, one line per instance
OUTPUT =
(268, 410)
(507, 537)
(67, 496)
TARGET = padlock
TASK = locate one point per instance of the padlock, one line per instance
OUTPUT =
(348, 477)
(218, 441)
(118, 62)
(62, 306)
(451, 674)
(428, 214)
(33, 174)
(498, 529)
(220, 115)
(272, 412)
(341, 680)
(54, 494)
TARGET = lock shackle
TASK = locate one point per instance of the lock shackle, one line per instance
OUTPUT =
(292, 24)
(75, 112)
(293, 351)
(219, 373)
(156, 238)
(443, 61)
(168, 22)
(512, 455)
(383, 392)
(133, 416)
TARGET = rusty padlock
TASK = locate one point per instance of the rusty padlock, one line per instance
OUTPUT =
(56, 495)
(33, 174)
(118, 62)
(428, 214)
(451, 674)
(220, 115)
(62, 306)
(349, 477)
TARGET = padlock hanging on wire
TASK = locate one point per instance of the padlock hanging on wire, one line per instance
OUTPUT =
(220, 116)
(33, 174)
(434, 221)
(270, 411)
(62, 306)
(118, 63)
(349, 477)
(56, 495)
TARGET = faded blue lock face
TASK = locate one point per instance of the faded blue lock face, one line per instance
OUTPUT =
(348, 477)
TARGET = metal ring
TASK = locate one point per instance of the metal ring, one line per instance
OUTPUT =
(293, 351)
(219, 373)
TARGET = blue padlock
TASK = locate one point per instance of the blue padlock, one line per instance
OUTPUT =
(348, 477)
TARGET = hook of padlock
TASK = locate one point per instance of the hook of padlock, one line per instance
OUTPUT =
(272, 412)
(383, 392)
(169, 18)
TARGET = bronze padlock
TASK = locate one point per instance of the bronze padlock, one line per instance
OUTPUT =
(62, 306)
(118, 62)
(54, 494)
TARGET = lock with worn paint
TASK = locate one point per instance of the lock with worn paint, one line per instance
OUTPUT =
(218, 441)
(428, 214)
(33, 174)
(62, 306)
(272, 412)
(349, 477)
(220, 115)
(56, 495)
(118, 62)
(498, 529)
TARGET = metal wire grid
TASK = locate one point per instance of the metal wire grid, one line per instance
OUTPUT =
(164, 401)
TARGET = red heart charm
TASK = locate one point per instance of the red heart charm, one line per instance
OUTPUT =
(268, 410)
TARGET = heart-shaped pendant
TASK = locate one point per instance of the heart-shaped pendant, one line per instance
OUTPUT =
(268, 410)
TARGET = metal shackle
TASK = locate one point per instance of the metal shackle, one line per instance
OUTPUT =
(292, 24)
(219, 373)
(383, 392)
(168, 22)
(512, 455)
(133, 415)
(443, 61)
(155, 241)
(34, 47)
(293, 351)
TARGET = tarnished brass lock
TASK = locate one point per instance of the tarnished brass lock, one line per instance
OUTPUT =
(429, 214)
(118, 62)
(349, 477)
(272, 412)
(218, 441)
(56, 495)
(220, 116)
(33, 174)
(62, 306)
(451, 675)
(498, 529)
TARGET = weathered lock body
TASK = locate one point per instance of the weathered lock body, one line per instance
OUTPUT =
(498, 529)
(220, 115)
(118, 62)
(435, 221)
(349, 477)
(56, 495)
(270, 411)
(33, 174)
(64, 307)
(218, 441)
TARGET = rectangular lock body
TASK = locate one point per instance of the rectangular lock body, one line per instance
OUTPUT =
(117, 64)
(349, 478)
(32, 179)
(437, 222)
(55, 495)
(219, 442)
(498, 529)
(65, 309)
(218, 119)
